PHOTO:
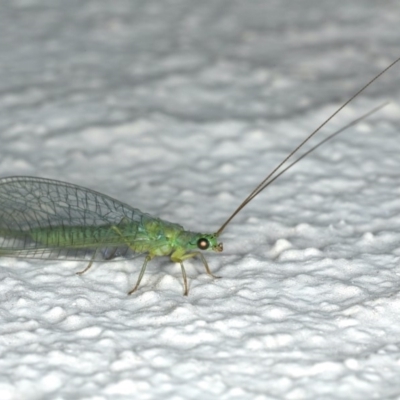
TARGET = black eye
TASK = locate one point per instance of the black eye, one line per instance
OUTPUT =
(203, 244)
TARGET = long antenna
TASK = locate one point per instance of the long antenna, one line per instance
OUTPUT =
(331, 136)
(267, 180)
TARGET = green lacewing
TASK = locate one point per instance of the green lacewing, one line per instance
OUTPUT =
(49, 219)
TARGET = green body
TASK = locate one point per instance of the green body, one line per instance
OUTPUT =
(151, 235)
(42, 218)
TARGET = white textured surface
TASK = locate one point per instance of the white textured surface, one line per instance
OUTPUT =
(179, 108)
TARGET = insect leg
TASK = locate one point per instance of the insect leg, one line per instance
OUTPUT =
(185, 293)
(178, 258)
(146, 260)
(206, 265)
(89, 265)
(191, 255)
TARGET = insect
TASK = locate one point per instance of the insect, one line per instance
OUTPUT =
(48, 219)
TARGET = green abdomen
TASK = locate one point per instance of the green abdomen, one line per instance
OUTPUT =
(85, 236)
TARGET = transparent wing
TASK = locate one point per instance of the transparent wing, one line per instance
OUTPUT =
(30, 205)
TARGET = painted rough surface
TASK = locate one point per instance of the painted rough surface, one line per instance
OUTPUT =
(180, 108)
